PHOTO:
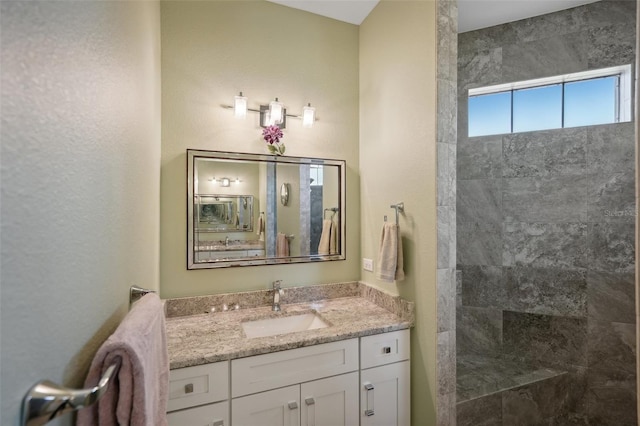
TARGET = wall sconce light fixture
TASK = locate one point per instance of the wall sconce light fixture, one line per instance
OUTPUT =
(273, 114)
(266, 119)
(240, 106)
(308, 116)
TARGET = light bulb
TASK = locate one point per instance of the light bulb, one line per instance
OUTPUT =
(308, 116)
(240, 106)
(275, 112)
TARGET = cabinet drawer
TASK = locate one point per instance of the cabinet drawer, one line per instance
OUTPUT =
(384, 348)
(278, 407)
(207, 415)
(278, 369)
(198, 385)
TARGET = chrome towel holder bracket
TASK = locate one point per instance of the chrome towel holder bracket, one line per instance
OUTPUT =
(47, 400)
(136, 293)
(333, 211)
(399, 209)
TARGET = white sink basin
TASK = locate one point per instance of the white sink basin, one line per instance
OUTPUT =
(282, 325)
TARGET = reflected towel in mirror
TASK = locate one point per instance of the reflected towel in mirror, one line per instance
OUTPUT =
(390, 259)
(329, 238)
(333, 238)
(260, 228)
(282, 245)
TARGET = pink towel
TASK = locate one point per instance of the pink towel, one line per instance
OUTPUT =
(282, 245)
(138, 395)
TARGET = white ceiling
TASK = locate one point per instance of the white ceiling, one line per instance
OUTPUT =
(472, 14)
(351, 11)
(476, 14)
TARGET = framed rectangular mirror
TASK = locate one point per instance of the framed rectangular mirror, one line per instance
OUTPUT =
(253, 209)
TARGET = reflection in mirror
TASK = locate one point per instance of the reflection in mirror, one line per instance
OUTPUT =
(274, 210)
(284, 194)
(220, 213)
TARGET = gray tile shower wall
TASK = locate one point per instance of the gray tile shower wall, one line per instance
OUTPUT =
(545, 230)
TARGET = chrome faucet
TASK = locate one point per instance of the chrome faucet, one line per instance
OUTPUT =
(277, 292)
(226, 241)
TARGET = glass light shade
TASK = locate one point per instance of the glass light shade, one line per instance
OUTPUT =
(240, 106)
(308, 116)
(225, 182)
(275, 112)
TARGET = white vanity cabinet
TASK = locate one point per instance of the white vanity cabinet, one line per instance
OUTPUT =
(321, 387)
(385, 379)
(360, 381)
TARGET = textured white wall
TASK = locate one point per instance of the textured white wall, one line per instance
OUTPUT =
(80, 160)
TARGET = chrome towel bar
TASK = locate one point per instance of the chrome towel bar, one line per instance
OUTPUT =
(135, 293)
(47, 400)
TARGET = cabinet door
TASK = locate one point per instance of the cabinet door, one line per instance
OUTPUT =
(330, 402)
(384, 395)
(279, 407)
(207, 415)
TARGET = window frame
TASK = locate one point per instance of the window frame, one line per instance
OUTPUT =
(623, 92)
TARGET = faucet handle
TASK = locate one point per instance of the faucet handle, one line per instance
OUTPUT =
(276, 284)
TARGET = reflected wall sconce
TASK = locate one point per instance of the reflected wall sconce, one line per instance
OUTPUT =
(224, 181)
(272, 114)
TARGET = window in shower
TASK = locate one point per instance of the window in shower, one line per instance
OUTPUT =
(571, 100)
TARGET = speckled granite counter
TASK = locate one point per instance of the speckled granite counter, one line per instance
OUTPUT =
(357, 310)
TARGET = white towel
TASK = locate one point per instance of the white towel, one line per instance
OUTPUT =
(138, 395)
(282, 245)
(324, 246)
(390, 259)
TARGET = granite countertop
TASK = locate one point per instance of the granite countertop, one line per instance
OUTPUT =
(212, 337)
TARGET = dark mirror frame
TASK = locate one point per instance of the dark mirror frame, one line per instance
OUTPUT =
(193, 155)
